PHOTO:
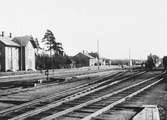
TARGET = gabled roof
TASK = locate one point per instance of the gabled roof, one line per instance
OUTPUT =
(8, 41)
(84, 54)
(95, 55)
(89, 56)
(23, 41)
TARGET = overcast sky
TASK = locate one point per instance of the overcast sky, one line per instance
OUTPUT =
(119, 25)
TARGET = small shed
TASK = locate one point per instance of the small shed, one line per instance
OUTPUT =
(26, 52)
(9, 58)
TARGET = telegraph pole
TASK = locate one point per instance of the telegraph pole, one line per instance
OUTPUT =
(21, 50)
(130, 60)
(131, 64)
(98, 53)
(21, 57)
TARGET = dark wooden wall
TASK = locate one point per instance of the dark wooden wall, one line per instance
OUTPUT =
(2, 57)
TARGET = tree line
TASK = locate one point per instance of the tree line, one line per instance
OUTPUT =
(53, 56)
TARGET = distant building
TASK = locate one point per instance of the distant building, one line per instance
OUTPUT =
(101, 61)
(94, 54)
(89, 59)
(104, 61)
(93, 62)
(9, 54)
(83, 59)
(26, 52)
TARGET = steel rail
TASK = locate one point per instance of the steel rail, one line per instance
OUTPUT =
(95, 114)
(46, 98)
(70, 98)
(98, 99)
(77, 94)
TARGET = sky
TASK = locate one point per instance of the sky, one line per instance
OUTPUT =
(123, 27)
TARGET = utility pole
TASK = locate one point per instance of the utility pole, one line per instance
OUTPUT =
(130, 60)
(21, 51)
(131, 64)
(98, 53)
(21, 62)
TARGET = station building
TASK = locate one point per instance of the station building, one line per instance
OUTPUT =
(9, 54)
(26, 52)
(17, 53)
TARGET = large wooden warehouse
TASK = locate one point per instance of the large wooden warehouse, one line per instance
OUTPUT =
(17, 53)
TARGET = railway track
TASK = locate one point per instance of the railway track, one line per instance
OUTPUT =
(42, 108)
(35, 76)
(66, 92)
(19, 89)
(97, 98)
(85, 109)
(16, 110)
(111, 107)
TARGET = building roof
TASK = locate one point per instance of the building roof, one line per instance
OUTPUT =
(95, 55)
(84, 54)
(23, 40)
(8, 41)
(89, 56)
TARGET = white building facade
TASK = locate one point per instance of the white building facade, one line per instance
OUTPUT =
(11, 58)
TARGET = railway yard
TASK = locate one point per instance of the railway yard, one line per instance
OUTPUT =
(105, 94)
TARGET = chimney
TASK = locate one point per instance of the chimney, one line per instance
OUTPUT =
(10, 35)
(2, 34)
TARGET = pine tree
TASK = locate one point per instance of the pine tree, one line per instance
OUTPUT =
(50, 41)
